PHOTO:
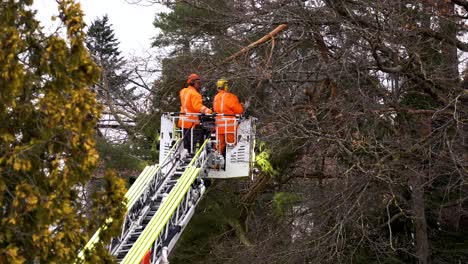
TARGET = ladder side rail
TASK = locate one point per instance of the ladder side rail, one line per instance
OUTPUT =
(151, 194)
(153, 175)
(162, 217)
(137, 203)
(186, 208)
(164, 236)
(201, 158)
(130, 195)
(132, 191)
(152, 200)
(177, 223)
(146, 190)
(157, 225)
(156, 178)
(161, 248)
(131, 199)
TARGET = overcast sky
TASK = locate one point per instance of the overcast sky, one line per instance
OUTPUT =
(132, 23)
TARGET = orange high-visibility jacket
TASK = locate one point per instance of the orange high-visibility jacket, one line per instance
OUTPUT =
(228, 104)
(191, 102)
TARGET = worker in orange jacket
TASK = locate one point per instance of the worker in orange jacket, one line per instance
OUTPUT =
(228, 104)
(191, 102)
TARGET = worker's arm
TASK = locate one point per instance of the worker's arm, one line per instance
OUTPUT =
(197, 104)
(235, 105)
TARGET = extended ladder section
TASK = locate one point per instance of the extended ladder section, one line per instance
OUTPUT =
(160, 204)
(162, 200)
(163, 209)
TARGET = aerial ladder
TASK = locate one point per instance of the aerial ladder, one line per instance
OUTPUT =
(162, 200)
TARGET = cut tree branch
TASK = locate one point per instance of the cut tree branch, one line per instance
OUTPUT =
(262, 40)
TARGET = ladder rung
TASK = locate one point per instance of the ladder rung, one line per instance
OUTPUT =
(150, 214)
(155, 206)
(127, 247)
(137, 233)
(151, 208)
(133, 238)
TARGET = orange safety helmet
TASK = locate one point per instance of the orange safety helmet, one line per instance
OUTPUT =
(192, 78)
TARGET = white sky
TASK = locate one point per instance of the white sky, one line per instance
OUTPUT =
(132, 24)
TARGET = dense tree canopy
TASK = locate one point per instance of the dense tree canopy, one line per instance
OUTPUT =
(47, 146)
(362, 111)
(363, 105)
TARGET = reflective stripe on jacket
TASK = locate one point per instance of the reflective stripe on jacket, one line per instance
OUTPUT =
(228, 104)
(190, 102)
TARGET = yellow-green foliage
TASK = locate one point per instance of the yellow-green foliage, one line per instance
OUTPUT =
(262, 160)
(47, 150)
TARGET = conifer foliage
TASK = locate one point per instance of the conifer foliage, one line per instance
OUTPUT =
(118, 98)
(104, 47)
(47, 149)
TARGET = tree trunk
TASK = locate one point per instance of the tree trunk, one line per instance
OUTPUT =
(423, 252)
(416, 182)
(257, 187)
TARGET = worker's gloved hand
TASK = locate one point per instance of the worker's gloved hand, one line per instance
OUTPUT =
(209, 111)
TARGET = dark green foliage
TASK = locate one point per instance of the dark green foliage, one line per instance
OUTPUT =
(283, 203)
(186, 25)
(450, 246)
(103, 45)
(104, 48)
(146, 145)
(122, 157)
(380, 162)
(215, 217)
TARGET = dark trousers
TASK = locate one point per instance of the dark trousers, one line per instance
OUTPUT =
(198, 138)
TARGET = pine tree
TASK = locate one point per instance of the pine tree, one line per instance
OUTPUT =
(118, 98)
(47, 146)
(113, 90)
(104, 47)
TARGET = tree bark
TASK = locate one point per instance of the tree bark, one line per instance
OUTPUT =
(257, 187)
(423, 252)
